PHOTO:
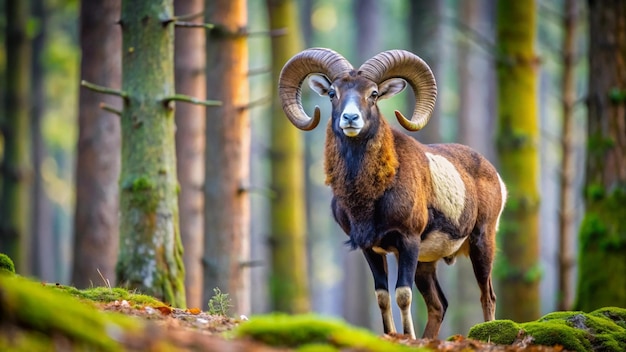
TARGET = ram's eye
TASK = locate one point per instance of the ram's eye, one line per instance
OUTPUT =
(332, 94)
(374, 94)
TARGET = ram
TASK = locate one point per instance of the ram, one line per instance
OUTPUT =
(392, 194)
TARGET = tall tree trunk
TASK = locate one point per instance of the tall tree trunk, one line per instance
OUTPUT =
(150, 257)
(602, 238)
(357, 284)
(227, 211)
(42, 258)
(476, 120)
(288, 278)
(96, 224)
(189, 61)
(15, 196)
(517, 139)
(568, 171)
(425, 36)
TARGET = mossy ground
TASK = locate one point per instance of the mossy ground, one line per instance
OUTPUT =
(6, 264)
(601, 330)
(313, 333)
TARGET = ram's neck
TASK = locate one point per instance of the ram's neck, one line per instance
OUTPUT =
(364, 168)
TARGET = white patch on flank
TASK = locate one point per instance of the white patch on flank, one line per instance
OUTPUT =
(504, 194)
(438, 245)
(448, 187)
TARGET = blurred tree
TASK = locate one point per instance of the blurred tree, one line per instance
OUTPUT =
(288, 277)
(357, 283)
(568, 157)
(42, 258)
(189, 62)
(96, 224)
(602, 238)
(426, 40)
(476, 120)
(227, 176)
(150, 257)
(518, 266)
(16, 169)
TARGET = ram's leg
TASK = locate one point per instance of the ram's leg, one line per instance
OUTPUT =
(482, 252)
(436, 302)
(378, 266)
(407, 263)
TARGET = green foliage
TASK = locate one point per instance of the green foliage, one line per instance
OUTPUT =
(220, 303)
(6, 264)
(617, 95)
(600, 330)
(310, 331)
(503, 269)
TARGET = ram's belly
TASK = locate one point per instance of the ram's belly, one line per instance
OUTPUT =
(438, 245)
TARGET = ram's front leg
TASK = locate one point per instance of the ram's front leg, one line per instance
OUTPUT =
(407, 264)
(378, 266)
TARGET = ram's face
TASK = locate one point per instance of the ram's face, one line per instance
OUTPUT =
(354, 99)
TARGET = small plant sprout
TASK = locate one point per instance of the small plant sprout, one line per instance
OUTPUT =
(220, 303)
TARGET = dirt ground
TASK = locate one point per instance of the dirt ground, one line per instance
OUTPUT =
(195, 330)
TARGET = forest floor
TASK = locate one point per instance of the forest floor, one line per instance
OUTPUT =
(193, 329)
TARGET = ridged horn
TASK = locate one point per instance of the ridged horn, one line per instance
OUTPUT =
(315, 60)
(410, 67)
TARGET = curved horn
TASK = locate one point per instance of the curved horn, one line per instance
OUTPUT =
(410, 67)
(316, 60)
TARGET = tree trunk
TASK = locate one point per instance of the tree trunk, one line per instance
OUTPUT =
(15, 196)
(476, 120)
(42, 258)
(425, 36)
(227, 212)
(189, 61)
(288, 278)
(568, 157)
(150, 257)
(96, 224)
(602, 238)
(518, 266)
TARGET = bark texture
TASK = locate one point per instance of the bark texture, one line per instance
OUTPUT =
(568, 158)
(518, 267)
(15, 168)
(602, 238)
(288, 281)
(227, 211)
(189, 61)
(96, 224)
(150, 257)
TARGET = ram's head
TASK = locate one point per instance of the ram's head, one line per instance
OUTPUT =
(354, 93)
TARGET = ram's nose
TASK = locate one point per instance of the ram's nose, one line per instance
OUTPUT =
(350, 117)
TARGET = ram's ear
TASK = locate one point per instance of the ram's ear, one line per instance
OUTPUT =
(319, 83)
(391, 87)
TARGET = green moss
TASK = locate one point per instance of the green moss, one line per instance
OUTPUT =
(554, 332)
(142, 184)
(600, 330)
(105, 294)
(43, 313)
(6, 264)
(297, 330)
(502, 332)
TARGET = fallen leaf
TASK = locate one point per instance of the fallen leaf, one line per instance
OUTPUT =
(194, 311)
(164, 310)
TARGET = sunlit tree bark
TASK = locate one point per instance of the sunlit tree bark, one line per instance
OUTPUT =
(227, 210)
(517, 266)
(189, 61)
(288, 278)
